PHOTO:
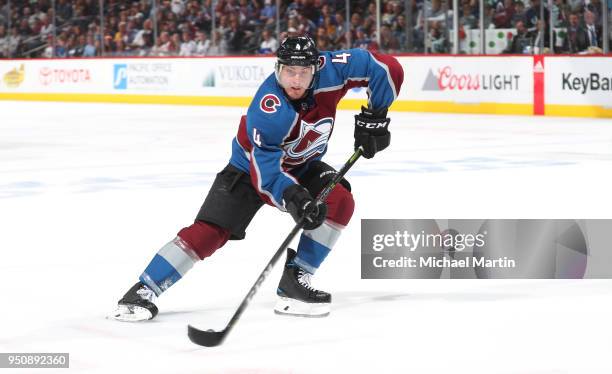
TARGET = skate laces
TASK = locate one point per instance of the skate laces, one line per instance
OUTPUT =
(146, 293)
(304, 279)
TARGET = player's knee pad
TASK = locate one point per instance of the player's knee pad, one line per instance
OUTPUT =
(318, 175)
(340, 205)
(204, 238)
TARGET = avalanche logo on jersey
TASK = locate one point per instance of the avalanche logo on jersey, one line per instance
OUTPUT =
(321, 62)
(269, 103)
(311, 141)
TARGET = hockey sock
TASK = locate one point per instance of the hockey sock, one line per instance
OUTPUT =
(169, 265)
(316, 244)
(204, 238)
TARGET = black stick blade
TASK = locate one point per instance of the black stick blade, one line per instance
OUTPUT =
(208, 338)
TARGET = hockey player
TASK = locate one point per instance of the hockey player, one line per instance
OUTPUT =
(276, 160)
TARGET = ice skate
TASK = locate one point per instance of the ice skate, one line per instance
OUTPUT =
(136, 305)
(295, 294)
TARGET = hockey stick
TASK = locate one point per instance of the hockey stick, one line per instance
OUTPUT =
(211, 338)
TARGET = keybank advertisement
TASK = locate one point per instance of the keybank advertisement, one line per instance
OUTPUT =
(468, 79)
(579, 81)
(487, 248)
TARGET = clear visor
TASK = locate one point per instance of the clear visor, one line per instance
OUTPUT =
(290, 76)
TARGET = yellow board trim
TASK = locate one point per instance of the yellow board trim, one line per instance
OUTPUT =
(465, 108)
(578, 111)
(399, 105)
(130, 99)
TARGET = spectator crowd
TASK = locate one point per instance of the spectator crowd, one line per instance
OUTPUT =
(73, 28)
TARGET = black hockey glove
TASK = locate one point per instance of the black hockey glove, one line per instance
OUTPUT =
(302, 206)
(371, 131)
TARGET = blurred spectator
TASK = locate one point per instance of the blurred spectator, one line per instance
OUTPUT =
(438, 41)
(219, 45)
(595, 7)
(326, 13)
(48, 51)
(339, 38)
(489, 15)
(248, 12)
(202, 44)
(399, 31)
(4, 12)
(267, 15)
(77, 48)
(188, 46)
(178, 7)
(144, 37)
(307, 9)
(388, 42)
(223, 25)
(235, 37)
(46, 28)
(559, 13)
(521, 42)
(467, 16)
(63, 10)
(60, 47)
(575, 5)
(541, 37)
(121, 34)
(576, 39)
(361, 40)
(329, 25)
(268, 44)
(305, 25)
(162, 47)
(356, 21)
(504, 11)
(3, 42)
(418, 34)
(120, 49)
(532, 15)
(14, 42)
(370, 12)
(519, 13)
(594, 32)
(90, 49)
(175, 44)
(388, 14)
(436, 12)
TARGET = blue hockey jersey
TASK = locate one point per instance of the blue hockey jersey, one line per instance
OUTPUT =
(278, 137)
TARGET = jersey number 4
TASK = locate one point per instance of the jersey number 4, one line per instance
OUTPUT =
(256, 137)
(341, 58)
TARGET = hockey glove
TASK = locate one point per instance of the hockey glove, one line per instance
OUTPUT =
(371, 131)
(302, 207)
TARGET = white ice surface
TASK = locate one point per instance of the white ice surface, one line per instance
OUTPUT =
(89, 193)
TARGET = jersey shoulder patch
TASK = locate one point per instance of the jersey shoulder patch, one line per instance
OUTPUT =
(270, 114)
(269, 103)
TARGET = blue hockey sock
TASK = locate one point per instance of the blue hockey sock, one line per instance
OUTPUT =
(168, 266)
(315, 245)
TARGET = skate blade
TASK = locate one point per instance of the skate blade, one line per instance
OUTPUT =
(291, 307)
(134, 313)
